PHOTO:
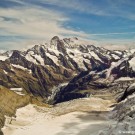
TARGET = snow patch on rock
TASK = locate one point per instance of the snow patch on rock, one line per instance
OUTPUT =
(18, 91)
(22, 68)
(3, 58)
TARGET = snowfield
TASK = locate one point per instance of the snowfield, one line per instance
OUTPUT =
(3, 58)
(22, 68)
(73, 117)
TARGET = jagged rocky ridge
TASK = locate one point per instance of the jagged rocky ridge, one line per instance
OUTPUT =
(85, 66)
(124, 114)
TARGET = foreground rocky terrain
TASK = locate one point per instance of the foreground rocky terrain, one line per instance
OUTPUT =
(67, 69)
(9, 102)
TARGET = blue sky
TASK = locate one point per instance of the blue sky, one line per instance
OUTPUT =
(26, 22)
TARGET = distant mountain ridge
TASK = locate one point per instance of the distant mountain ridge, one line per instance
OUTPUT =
(40, 68)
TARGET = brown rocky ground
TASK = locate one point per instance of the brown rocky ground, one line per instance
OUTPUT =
(9, 102)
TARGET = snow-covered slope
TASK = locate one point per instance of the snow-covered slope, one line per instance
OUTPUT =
(3, 58)
(5, 55)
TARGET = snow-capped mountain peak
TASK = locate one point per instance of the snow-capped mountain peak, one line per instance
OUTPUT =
(71, 54)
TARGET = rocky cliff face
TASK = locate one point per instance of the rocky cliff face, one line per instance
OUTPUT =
(116, 77)
(124, 114)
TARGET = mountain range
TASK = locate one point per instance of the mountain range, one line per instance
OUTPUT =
(39, 69)
(66, 69)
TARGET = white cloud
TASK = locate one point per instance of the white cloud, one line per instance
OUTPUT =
(119, 8)
(117, 44)
(39, 23)
(34, 23)
(118, 33)
(83, 6)
(106, 8)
